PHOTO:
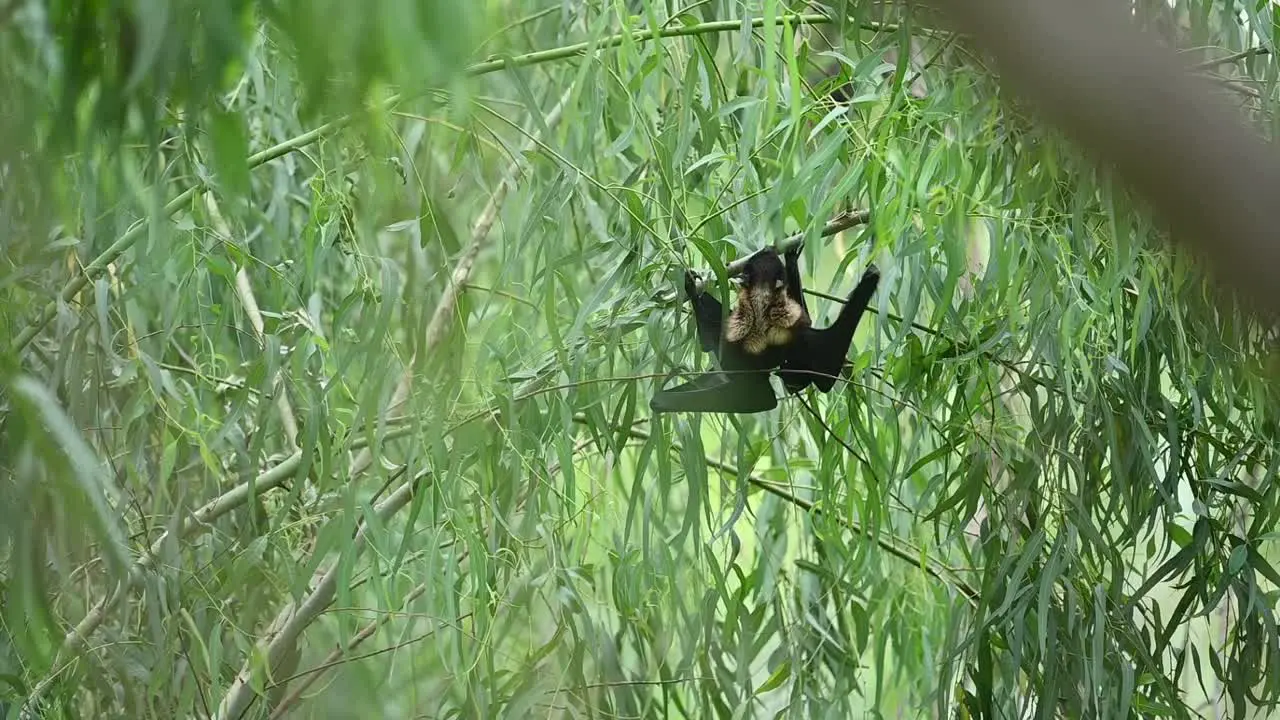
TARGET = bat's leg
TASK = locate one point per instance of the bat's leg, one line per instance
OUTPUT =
(747, 392)
(707, 312)
(818, 355)
(794, 289)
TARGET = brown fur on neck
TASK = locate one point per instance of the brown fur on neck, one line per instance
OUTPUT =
(763, 318)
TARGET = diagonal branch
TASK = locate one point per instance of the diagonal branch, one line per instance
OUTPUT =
(294, 618)
(837, 224)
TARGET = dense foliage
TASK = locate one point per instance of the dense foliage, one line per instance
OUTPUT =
(329, 331)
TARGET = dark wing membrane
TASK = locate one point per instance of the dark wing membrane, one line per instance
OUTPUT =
(707, 313)
(719, 392)
(817, 356)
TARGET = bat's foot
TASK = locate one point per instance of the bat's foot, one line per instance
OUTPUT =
(871, 272)
(691, 286)
(794, 251)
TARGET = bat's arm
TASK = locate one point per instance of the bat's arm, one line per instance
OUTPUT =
(817, 356)
(707, 313)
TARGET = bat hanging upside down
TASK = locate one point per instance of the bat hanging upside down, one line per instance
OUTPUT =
(769, 330)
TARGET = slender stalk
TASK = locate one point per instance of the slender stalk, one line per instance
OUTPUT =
(841, 222)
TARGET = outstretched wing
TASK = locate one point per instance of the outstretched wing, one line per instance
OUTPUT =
(708, 313)
(817, 356)
(719, 392)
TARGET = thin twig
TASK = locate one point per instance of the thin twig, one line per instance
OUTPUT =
(839, 223)
(909, 554)
(244, 289)
(1233, 57)
(337, 655)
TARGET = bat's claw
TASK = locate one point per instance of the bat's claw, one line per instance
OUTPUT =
(871, 271)
(794, 251)
(691, 287)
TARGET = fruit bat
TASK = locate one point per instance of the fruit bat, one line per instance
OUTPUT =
(769, 330)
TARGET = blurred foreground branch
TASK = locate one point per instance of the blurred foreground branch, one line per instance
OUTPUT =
(1137, 107)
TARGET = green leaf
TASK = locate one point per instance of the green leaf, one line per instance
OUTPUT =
(229, 146)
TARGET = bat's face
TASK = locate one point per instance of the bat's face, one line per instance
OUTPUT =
(763, 275)
(765, 314)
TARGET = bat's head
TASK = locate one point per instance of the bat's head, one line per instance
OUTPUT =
(763, 275)
(765, 313)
